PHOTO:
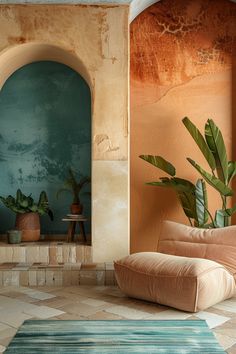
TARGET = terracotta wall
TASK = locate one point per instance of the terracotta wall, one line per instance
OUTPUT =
(181, 65)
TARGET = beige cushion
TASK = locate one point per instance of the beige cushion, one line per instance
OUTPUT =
(218, 245)
(188, 284)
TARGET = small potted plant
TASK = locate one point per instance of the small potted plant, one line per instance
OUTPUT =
(14, 236)
(28, 213)
(74, 187)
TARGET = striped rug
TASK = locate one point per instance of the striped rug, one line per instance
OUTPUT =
(114, 337)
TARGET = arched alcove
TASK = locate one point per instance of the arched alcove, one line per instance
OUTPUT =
(99, 53)
(16, 56)
(182, 55)
(45, 129)
(138, 6)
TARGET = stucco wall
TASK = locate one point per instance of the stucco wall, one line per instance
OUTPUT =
(45, 129)
(181, 65)
(98, 37)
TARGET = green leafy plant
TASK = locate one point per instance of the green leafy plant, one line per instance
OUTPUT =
(73, 186)
(193, 197)
(25, 204)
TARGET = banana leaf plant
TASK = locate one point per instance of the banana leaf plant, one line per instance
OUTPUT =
(193, 197)
(21, 204)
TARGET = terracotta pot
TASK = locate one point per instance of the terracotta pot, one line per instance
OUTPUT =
(29, 224)
(76, 208)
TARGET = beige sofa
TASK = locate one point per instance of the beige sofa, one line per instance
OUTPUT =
(192, 270)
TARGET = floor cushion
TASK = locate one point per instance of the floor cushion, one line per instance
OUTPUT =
(218, 245)
(189, 284)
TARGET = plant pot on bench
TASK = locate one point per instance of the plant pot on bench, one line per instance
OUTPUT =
(28, 213)
(29, 224)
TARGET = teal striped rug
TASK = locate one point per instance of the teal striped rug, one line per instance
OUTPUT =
(114, 337)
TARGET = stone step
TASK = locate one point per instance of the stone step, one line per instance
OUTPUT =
(63, 274)
(45, 252)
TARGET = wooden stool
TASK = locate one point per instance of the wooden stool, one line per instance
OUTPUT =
(72, 226)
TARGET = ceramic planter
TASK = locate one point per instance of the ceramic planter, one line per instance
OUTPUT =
(76, 208)
(29, 224)
(14, 236)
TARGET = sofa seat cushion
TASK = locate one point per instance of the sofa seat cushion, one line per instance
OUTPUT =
(189, 284)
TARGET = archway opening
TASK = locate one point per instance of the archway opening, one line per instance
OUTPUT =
(45, 129)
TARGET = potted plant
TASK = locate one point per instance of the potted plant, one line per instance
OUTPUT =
(14, 236)
(28, 213)
(193, 197)
(74, 187)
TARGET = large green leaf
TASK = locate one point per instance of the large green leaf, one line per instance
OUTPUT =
(212, 180)
(231, 170)
(185, 191)
(188, 203)
(159, 162)
(229, 211)
(221, 220)
(19, 196)
(182, 184)
(179, 184)
(216, 143)
(201, 202)
(200, 141)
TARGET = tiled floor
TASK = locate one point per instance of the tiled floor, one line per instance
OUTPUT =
(89, 302)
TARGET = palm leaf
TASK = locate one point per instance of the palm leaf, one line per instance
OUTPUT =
(231, 170)
(62, 190)
(201, 202)
(216, 143)
(212, 180)
(159, 162)
(200, 141)
(83, 182)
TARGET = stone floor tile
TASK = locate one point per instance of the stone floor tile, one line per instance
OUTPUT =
(95, 303)
(44, 312)
(4, 326)
(71, 316)
(13, 318)
(230, 332)
(39, 295)
(212, 319)
(6, 333)
(170, 315)
(127, 312)
(55, 302)
(80, 309)
(6, 340)
(232, 350)
(69, 296)
(228, 305)
(225, 341)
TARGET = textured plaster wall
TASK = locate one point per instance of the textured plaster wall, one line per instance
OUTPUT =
(181, 65)
(95, 38)
(45, 129)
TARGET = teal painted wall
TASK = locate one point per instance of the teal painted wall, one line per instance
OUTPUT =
(45, 128)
